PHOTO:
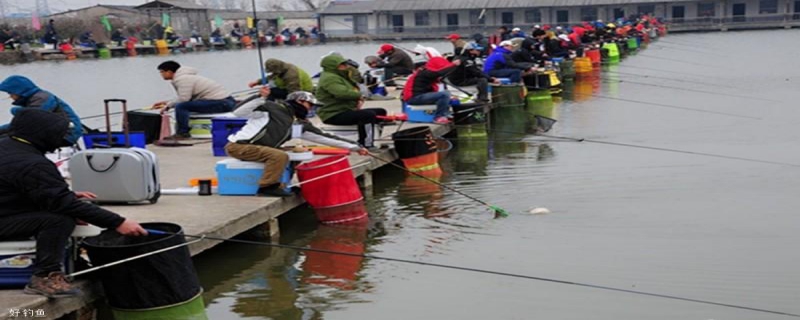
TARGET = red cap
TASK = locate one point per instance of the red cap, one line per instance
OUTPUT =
(385, 47)
(453, 36)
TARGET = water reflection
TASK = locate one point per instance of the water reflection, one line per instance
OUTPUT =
(506, 125)
(471, 150)
(612, 80)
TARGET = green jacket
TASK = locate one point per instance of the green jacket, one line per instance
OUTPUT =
(288, 76)
(335, 91)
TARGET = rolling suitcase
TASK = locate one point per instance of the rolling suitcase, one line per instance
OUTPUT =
(117, 175)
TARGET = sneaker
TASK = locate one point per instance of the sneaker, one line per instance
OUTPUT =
(442, 120)
(273, 191)
(179, 136)
(54, 285)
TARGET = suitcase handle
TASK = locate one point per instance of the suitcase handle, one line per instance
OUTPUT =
(91, 166)
(125, 129)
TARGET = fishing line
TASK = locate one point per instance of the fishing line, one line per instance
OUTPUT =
(691, 90)
(669, 106)
(497, 210)
(667, 71)
(656, 148)
(689, 50)
(670, 79)
(477, 270)
(681, 61)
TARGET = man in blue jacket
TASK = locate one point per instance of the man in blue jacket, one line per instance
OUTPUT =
(501, 65)
(27, 95)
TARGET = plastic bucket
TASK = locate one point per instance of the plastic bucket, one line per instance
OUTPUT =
(194, 309)
(469, 113)
(538, 103)
(594, 56)
(508, 95)
(162, 47)
(613, 50)
(633, 44)
(104, 53)
(349, 213)
(334, 190)
(567, 69)
(149, 285)
(583, 65)
(414, 142)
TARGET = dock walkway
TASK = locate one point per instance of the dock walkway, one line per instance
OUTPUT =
(217, 216)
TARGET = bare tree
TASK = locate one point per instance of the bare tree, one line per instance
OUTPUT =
(315, 5)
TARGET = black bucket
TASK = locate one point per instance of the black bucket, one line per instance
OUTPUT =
(163, 279)
(414, 142)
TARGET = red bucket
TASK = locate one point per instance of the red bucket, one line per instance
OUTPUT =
(594, 55)
(335, 189)
(353, 213)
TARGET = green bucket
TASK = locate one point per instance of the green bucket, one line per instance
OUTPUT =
(194, 309)
(538, 103)
(633, 44)
(508, 95)
(567, 69)
(613, 50)
(104, 53)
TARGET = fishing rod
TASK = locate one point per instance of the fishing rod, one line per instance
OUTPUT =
(681, 61)
(629, 145)
(497, 210)
(477, 270)
(689, 50)
(691, 90)
(144, 255)
(668, 71)
(669, 106)
(258, 45)
(406, 49)
(670, 79)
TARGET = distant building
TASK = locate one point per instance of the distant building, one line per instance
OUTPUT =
(267, 19)
(421, 18)
(184, 15)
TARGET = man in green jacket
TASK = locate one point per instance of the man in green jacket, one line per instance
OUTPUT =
(287, 78)
(342, 101)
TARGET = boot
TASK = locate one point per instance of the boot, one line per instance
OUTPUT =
(54, 285)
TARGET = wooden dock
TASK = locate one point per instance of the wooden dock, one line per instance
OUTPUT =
(217, 216)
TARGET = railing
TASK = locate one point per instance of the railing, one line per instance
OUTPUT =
(704, 23)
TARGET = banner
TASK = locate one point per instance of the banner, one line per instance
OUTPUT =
(280, 20)
(106, 24)
(35, 21)
(218, 21)
(249, 22)
(165, 19)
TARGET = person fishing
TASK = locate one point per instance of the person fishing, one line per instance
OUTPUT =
(394, 62)
(27, 95)
(342, 100)
(469, 73)
(196, 94)
(287, 78)
(501, 65)
(423, 87)
(35, 201)
(269, 125)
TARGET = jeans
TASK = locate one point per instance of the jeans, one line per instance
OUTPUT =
(513, 74)
(364, 118)
(51, 231)
(442, 100)
(184, 109)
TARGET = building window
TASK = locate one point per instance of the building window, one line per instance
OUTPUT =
(507, 18)
(562, 16)
(768, 6)
(647, 9)
(533, 16)
(706, 10)
(477, 17)
(588, 13)
(421, 18)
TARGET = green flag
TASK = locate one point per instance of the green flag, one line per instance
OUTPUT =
(280, 20)
(104, 21)
(218, 21)
(165, 19)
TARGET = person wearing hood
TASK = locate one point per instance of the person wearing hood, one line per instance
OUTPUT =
(468, 73)
(394, 62)
(35, 201)
(196, 94)
(269, 125)
(500, 64)
(287, 78)
(423, 87)
(528, 53)
(27, 95)
(342, 101)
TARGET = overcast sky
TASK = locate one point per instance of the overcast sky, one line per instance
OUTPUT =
(61, 5)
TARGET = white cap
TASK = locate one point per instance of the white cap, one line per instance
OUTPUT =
(537, 27)
(516, 29)
(506, 43)
(563, 37)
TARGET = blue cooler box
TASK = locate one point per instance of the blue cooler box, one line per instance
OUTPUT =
(16, 263)
(240, 178)
(421, 113)
(221, 128)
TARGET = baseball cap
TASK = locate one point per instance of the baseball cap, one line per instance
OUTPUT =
(385, 47)
(453, 36)
(516, 29)
(302, 96)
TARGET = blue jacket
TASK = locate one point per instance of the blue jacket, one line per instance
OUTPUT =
(497, 60)
(31, 96)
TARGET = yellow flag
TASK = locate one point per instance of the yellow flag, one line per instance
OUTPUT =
(250, 22)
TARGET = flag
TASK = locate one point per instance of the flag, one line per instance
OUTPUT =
(280, 20)
(104, 21)
(35, 21)
(165, 19)
(250, 22)
(218, 21)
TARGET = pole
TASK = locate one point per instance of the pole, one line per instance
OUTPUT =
(258, 46)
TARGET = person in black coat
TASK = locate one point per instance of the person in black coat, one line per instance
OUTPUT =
(35, 201)
(469, 73)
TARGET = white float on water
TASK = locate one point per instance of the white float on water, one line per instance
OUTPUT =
(539, 211)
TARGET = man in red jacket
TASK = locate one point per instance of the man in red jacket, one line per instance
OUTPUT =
(423, 87)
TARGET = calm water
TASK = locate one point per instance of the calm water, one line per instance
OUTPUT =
(669, 223)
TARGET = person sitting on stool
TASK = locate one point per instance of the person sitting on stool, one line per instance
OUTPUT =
(423, 87)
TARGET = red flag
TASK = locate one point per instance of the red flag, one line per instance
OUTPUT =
(36, 24)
